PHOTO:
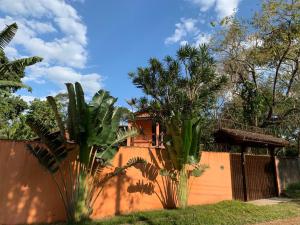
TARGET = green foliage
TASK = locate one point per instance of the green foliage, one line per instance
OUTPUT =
(7, 34)
(95, 124)
(253, 103)
(11, 109)
(179, 92)
(261, 55)
(58, 118)
(12, 121)
(94, 131)
(11, 72)
(42, 113)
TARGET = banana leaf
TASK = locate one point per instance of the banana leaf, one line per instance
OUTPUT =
(58, 118)
(72, 122)
(45, 157)
(187, 134)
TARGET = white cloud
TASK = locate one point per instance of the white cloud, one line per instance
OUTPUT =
(204, 4)
(60, 75)
(28, 98)
(222, 7)
(11, 52)
(202, 39)
(51, 29)
(226, 7)
(40, 27)
(187, 29)
(183, 28)
(37, 17)
(184, 42)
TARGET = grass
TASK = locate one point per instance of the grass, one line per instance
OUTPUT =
(223, 213)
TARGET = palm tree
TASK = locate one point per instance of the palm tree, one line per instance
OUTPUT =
(11, 72)
(94, 129)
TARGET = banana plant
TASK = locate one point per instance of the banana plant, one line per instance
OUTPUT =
(12, 69)
(183, 146)
(93, 128)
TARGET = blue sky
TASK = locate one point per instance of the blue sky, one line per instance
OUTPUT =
(97, 42)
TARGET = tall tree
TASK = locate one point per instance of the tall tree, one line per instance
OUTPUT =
(14, 112)
(262, 58)
(11, 73)
(178, 93)
(11, 109)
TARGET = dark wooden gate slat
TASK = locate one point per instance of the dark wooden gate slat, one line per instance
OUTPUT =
(236, 177)
(259, 171)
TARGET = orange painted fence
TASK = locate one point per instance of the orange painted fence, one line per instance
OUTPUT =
(29, 195)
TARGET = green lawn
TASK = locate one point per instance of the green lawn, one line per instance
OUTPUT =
(227, 212)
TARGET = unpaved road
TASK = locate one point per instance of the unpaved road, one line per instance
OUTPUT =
(291, 221)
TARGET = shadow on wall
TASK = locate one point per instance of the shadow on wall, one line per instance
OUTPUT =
(162, 186)
(27, 192)
(113, 194)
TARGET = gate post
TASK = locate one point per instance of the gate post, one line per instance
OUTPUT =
(243, 148)
(273, 162)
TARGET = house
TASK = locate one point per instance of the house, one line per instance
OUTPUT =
(228, 176)
(248, 169)
(150, 134)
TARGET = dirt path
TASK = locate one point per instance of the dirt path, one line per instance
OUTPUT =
(291, 221)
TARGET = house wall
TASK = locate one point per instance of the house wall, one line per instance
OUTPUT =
(28, 193)
(144, 139)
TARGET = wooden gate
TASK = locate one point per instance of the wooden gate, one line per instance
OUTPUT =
(258, 180)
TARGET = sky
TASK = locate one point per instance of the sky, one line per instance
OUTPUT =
(98, 42)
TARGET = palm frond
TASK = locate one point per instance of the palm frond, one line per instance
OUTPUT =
(72, 123)
(17, 66)
(58, 118)
(7, 35)
(123, 135)
(81, 108)
(186, 139)
(7, 83)
(107, 154)
(53, 141)
(110, 149)
(195, 145)
(24, 62)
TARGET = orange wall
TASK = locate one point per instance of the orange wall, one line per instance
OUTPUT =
(213, 186)
(27, 192)
(145, 139)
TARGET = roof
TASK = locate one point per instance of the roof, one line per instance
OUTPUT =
(141, 115)
(248, 138)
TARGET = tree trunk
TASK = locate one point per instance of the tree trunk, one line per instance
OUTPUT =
(183, 187)
(81, 209)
